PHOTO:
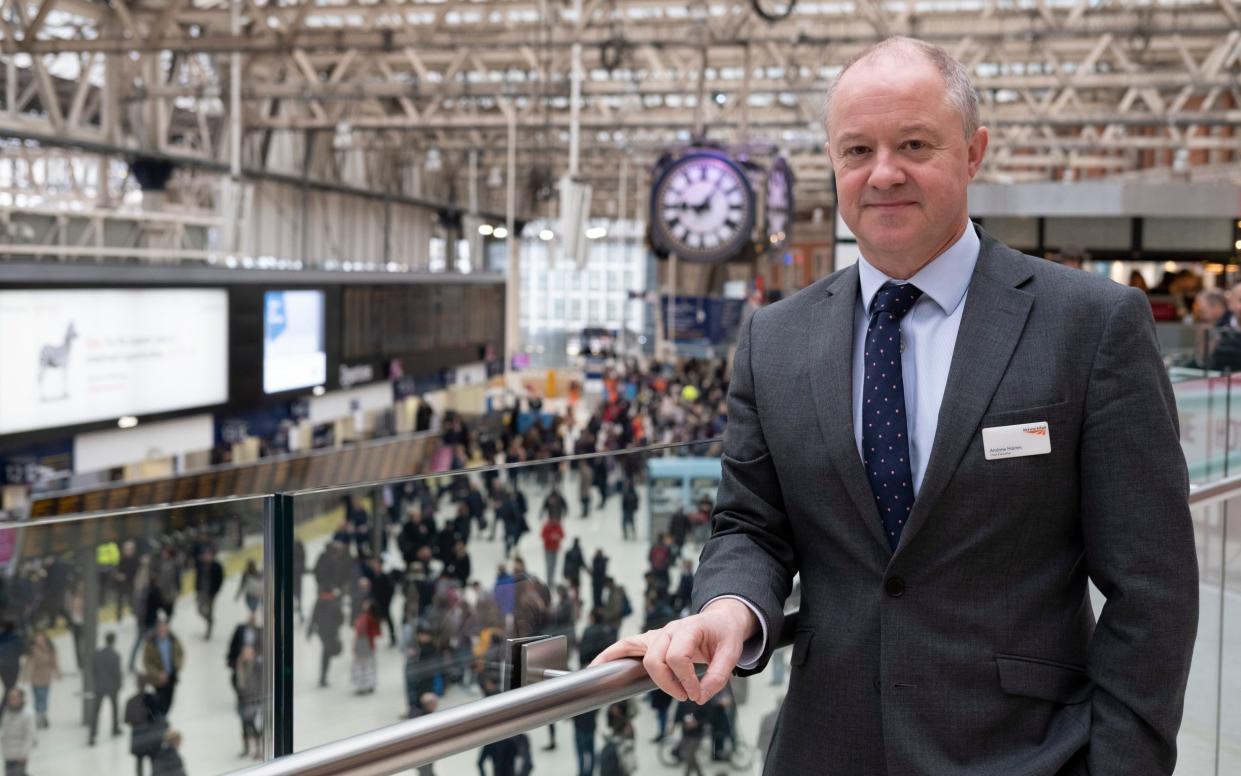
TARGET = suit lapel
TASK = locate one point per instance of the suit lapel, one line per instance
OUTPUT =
(995, 315)
(830, 345)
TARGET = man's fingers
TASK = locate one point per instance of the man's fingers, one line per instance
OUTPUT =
(656, 666)
(723, 661)
(680, 658)
(634, 646)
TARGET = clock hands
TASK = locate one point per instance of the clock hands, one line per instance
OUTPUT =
(701, 207)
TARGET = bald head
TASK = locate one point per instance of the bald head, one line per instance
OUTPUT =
(958, 90)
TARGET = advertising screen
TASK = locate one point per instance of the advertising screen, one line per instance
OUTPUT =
(80, 356)
(294, 355)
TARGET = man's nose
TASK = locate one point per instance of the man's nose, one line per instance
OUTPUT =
(887, 171)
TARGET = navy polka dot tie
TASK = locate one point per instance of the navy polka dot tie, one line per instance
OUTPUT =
(885, 433)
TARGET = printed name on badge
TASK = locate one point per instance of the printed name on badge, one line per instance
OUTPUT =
(1016, 441)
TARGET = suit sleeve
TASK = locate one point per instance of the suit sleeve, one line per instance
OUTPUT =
(1140, 550)
(750, 553)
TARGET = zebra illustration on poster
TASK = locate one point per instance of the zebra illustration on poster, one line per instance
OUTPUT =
(56, 357)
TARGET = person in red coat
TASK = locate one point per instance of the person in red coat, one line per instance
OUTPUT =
(553, 535)
(365, 631)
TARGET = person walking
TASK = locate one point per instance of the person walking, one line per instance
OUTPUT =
(553, 535)
(595, 639)
(106, 668)
(554, 506)
(383, 589)
(584, 741)
(598, 577)
(690, 720)
(248, 684)
(325, 621)
(583, 488)
(574, 562)
(42, 667)
(208, 580)
(629, 508)
(17, 733)
(251, 586)
(12, 647)
(246, 634)
(167, 761)
(616, 605)
(162, 661)
(365, 631)
(147, 723)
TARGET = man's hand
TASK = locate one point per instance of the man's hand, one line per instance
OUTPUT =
(714, 636)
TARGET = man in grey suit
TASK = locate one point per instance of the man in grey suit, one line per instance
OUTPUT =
(947, 441)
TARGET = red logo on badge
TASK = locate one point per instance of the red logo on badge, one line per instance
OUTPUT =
(1035, 431)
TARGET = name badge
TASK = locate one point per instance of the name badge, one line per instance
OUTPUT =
(1016, 441)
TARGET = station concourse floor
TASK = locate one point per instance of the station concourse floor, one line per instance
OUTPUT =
(204, 705)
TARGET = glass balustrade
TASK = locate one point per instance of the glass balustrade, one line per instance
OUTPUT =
(146, 615)
(437, 623)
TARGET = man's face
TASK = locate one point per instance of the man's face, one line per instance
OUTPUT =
(901, 159)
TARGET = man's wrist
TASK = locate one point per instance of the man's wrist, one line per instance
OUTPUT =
(744, 617)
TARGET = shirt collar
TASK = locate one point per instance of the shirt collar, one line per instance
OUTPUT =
(945, 279)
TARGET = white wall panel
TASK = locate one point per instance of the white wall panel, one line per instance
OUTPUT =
(101, 450)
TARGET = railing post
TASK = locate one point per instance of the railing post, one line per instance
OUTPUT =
(278, 645)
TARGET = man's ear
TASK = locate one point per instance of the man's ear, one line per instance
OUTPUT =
(977, 149)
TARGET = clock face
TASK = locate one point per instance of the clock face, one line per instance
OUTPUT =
(779, 203)
(702, 208)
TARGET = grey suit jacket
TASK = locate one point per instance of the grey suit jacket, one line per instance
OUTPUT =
(973, 648)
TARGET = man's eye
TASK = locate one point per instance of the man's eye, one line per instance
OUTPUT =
(915, 145)
(856, 150)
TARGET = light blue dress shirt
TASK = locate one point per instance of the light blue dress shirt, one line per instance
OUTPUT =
(928, 339)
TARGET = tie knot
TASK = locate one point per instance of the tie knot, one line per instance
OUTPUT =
(896, 299)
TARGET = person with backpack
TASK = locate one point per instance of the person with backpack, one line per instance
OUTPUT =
(616, 606)
(208, 580)
(618, 757)
(147, 724)
(597, 637)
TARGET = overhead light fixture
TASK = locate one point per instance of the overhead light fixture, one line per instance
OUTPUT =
(500, 233)
(546, 235)
(129, 421)
(494, 179)
(596, 233)
(485, 230)
(318, 390)
(434, 163)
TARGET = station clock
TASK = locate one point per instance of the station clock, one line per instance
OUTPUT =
(703, 207)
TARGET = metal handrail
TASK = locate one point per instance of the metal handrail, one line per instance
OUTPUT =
(1214, 492)
(433, 737)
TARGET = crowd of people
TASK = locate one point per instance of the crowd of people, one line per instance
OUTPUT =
(453, 621)
(398, 569)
